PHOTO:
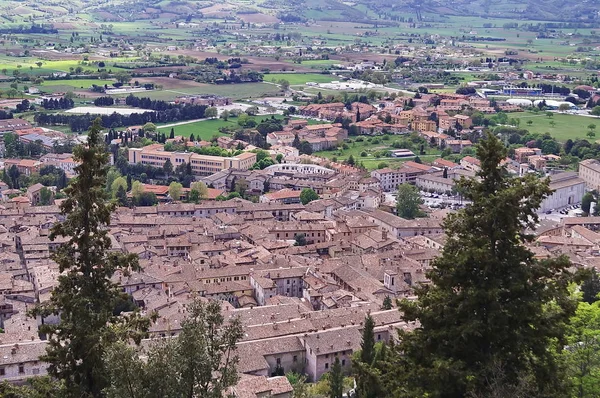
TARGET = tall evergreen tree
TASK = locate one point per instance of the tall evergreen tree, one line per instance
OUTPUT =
(367, 345)
(336, 380)
(85, 295)
(172, 134)
(491, 307)
(367, 376)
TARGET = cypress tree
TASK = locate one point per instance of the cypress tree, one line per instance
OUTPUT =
(85, 296)
(367, 344)
(172, 135)
(336, 380)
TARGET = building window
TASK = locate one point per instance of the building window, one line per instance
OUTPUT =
(343, 362)
(21, 369)
(295, 359)
(378, 337)
(278, 361)
(326, 355)
(2, 372)
(326, 365)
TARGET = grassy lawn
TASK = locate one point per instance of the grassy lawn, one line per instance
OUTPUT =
(373, 149)
(565, 126)
(300, 78)
(206, 129)
(203, 130)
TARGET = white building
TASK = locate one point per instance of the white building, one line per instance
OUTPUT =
(568, 189)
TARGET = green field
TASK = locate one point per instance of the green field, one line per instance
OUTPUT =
(74, 83)
(565, 126)
(297, 79)
(203, 130)
(206, 129)
(372, 147)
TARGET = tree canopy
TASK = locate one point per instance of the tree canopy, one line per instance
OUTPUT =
(491, 307)
(408, 201)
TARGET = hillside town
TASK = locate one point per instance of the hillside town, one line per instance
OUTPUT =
(301, 275)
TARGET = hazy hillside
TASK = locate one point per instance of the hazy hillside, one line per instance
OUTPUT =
(522, 9)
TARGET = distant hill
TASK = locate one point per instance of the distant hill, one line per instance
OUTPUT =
(553, 10)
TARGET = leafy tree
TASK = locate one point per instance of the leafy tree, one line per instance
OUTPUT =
(490, 301)
(387, 303)
(198, 191)
(564, 107)
(224, 115)
(285, 85)
(299, 386)
(408, 201)
(35, 387)
(308, 195)
(175, 190)
(595, 111)
(336, 380)
(300, 240)
(350, 161)
(200, 362)
(137, 188)
(120, 182)
(586, 202)
(85, 295)
(591, 287)
(145, 199)
(211, 113)
(112, 175)
(123, 77)
(149, 127)
(582, 353)
(46, 196)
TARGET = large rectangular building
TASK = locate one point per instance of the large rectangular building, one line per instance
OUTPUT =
(156, 156)
(589, 171)
(567, 189)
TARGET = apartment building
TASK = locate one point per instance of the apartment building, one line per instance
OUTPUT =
(204, 165)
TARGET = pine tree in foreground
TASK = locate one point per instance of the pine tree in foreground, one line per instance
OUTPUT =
(85, 297)
(492, 311)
